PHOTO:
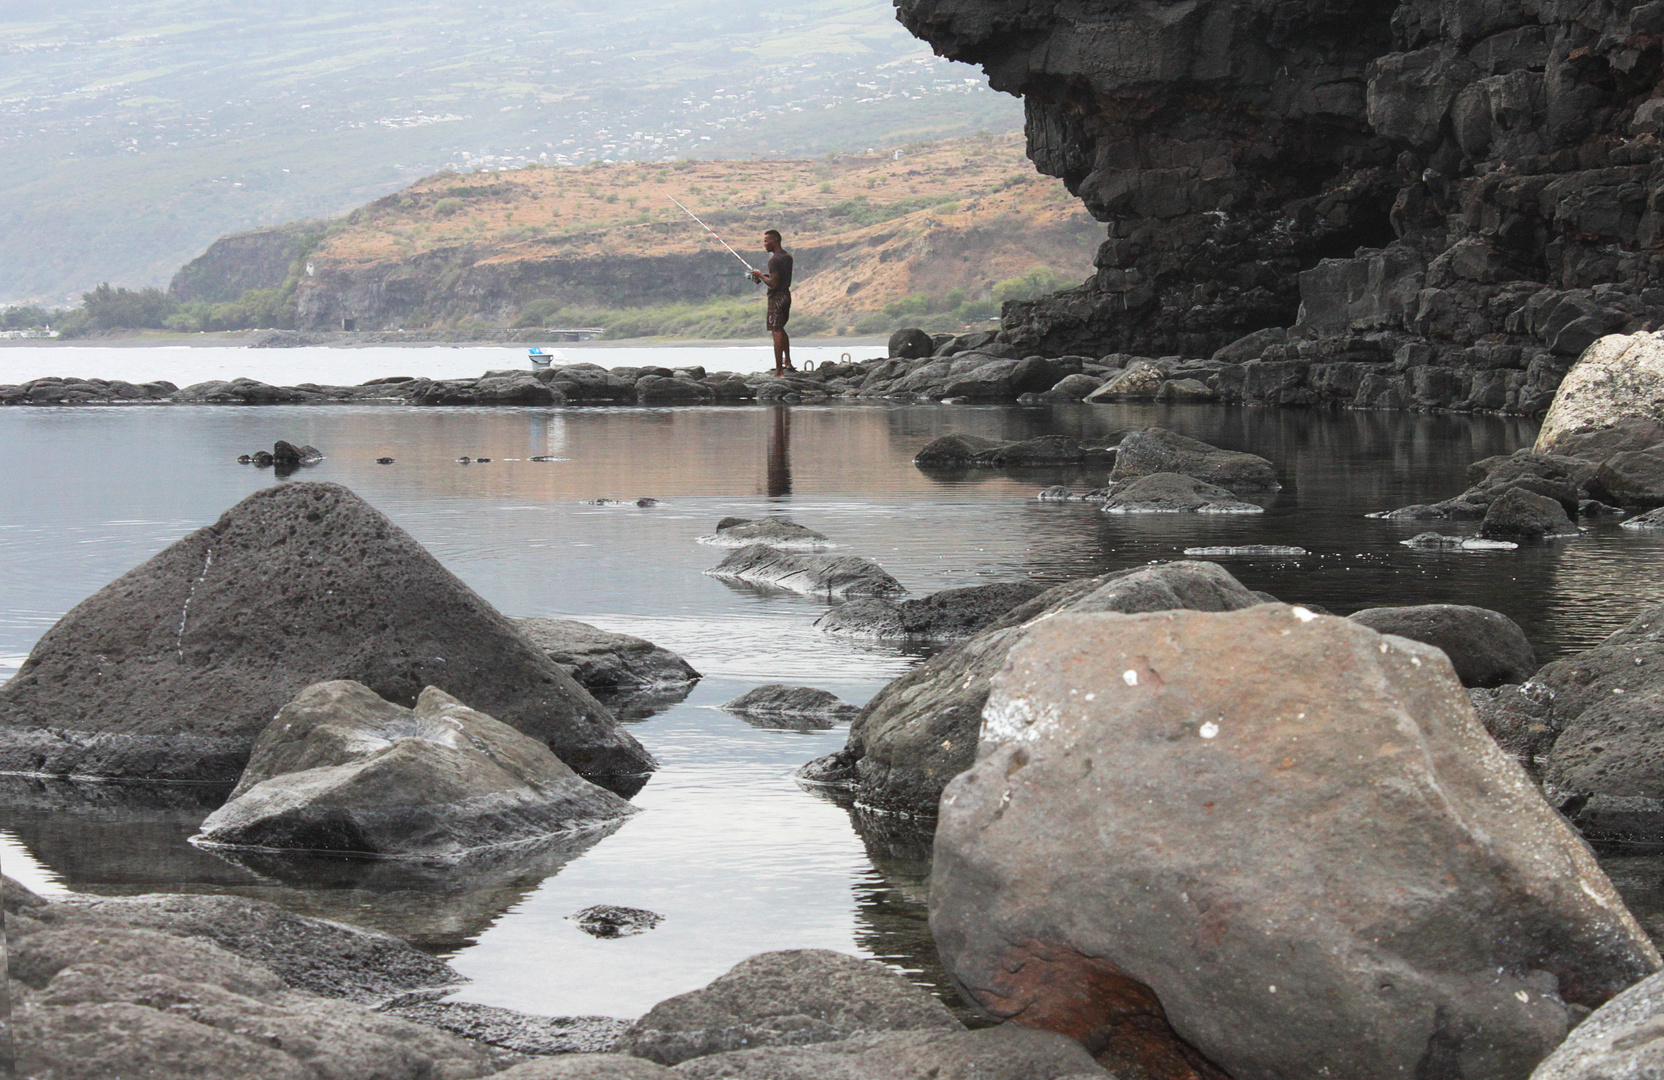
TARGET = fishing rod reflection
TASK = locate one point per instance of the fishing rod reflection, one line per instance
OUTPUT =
(780, 453)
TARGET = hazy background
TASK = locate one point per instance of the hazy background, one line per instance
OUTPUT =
(133, 134)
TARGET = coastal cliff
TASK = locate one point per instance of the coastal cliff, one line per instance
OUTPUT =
(1415, 204)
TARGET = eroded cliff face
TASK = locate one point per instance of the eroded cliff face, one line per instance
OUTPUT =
(1441, 202)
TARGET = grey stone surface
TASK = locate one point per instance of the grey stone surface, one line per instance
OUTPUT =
(588, 1067)
(948, 615)
(342, 770)
(788, 998)
(1157, 450)
(518, 1032)
(1006, 1053)
(777, 532)
(1173, 493)
(827, 576)
(1518, 514)
(1486, 648)
(171, 671)
(910, 344)
(1617, 378)
(601, 660)
(780, 705)
(1622, 1040)
(1120, 861)
(920, 731)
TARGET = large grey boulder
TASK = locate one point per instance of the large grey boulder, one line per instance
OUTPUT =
(343, 770)
(1486, 647)
(1622, 1040)
(920, 731)
(1140, 381)
(1122, 862)
(171, 671)
(948, 615)
(604, 661)
(1518, 514)
(827, 576)
(1003, 1053)
(788, 998)
(1174, 493)
(1157, 450)
(910, 343)
(1619, 377)
(94, 1000)
(1632, 477)
(774, 531)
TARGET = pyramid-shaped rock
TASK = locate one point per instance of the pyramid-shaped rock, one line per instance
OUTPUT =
(171, 671)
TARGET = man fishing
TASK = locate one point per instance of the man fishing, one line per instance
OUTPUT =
(778, 278)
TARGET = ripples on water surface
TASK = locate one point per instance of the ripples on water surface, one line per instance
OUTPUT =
(734, 854)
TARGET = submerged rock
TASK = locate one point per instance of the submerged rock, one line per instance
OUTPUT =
(601, 660)
(949, 615)
(172, 671)
(1268, 550)
(1173, 493)
(612, 921)
(1157, 450)
(826, 576)
(1432, 541)
(1652, 519)
(342, 770)
(799, 707)
(774, 531)
(1486, 648)
(1119, 864)
(920, 731)
(789, 998)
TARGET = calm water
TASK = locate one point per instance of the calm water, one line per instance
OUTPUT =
(736, 856)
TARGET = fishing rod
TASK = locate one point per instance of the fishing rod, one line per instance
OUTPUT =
(712, 231)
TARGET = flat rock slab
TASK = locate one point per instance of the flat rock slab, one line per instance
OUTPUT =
(1250, 550)
(601, 660)
(171, 671)
(797, 707)
(1003, 1053)
(1174, 493)
(826, 576)
(1432, 541)
(1157, 450)
(1122, 857)
(1486, 647)
(342, 770)
(949, 615)
(775, 532)
(788, 998)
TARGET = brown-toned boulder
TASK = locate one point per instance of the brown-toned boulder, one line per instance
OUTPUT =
(171, 671)
(1269, 842)
(1486, 647)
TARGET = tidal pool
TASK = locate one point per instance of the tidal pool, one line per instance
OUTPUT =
(729, 848)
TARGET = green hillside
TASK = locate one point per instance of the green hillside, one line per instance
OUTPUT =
(131, 136)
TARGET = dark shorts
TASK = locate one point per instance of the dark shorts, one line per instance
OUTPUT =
(779, 309)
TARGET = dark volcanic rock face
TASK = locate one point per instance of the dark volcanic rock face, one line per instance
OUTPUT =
(172, 670)
(1445, 203)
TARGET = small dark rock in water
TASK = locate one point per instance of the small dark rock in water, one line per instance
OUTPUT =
(645, 501)
(602, 660)
(1432, 541)
(611, 921)
(384, 461)
(1174, 493)
(829, 576)
(285, 453)
(943, 616)
(244, 459)
(776, 532)
(262, 459)
(544, 457)
(1652, 519)
(1596, 508)
(481, 460)
(1246, 549)
(800, 707)
(1521, 514)
(465, 460)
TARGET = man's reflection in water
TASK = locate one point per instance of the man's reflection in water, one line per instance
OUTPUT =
(780, 453)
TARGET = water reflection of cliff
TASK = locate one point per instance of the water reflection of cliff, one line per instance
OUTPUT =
(129, 839)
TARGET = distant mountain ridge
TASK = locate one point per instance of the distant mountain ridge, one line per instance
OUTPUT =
(132, 135)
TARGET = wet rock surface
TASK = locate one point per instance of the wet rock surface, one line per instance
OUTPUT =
(789, 998)
(774, 531)
(1486, 648)
(1156, 450)
(1184, 897)
(92, 996)
(779, 705)
(949, 615)
(517, 1032)
(171, 671)
(342, 770)
(1398, 207)
(1173, 493)
(920, 731)
(612, 921)
(604, 661)
(827, 576)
